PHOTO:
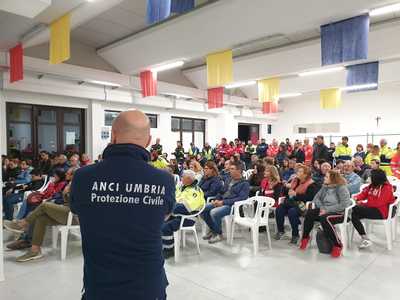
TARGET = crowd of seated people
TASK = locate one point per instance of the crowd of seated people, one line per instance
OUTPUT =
(293, 175)
(42, 189)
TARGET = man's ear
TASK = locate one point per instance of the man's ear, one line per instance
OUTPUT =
(148, 141)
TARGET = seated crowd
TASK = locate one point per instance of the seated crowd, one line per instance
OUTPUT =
(325, 178)
(42, 188)
(209, 182)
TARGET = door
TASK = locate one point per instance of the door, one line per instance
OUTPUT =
(248, 132)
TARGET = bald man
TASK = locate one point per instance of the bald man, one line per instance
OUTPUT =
(122, 202)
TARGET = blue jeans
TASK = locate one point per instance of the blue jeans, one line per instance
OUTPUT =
(293, 215)
(8, 205)
(213, 216)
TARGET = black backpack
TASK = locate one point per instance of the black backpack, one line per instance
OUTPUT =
(324, 244)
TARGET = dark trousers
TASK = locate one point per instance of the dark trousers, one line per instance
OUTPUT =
(362, 212)
(293, 214)
(327, 221)
(172, 225)
(8, 204)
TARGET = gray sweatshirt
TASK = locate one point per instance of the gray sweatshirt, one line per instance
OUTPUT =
(332, 198)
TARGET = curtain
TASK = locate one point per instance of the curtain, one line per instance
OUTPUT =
(16, 63)
(345, 40)
(215, 97)
(270, 107)
(60, 40)
(363, 74)
(181, 6)
(148, 83)
(157, 10)
(268, 90)
(330, 98)
(219, 69)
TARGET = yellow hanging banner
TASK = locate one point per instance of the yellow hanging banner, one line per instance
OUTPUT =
(268, 90)
(60, 40)
(219, 69)
(330, 98)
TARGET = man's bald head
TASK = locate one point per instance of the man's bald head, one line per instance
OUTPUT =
(131, 127)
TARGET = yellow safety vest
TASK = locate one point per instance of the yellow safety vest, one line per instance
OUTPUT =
(192, 197)
(160, 163)
(342, 150)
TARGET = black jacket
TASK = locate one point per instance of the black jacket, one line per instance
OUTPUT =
(299, 155)
(320, 152)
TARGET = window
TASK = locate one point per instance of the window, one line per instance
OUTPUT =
(32, 128)
(110, 115)
(189, 131)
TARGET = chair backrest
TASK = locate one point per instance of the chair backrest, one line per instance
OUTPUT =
(177, 179)
(45, 185)
(264, 204)
(248, 173)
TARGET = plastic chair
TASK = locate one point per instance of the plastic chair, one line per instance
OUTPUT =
(390, 223)
(177, 179)
(64, 231)
(260, 218)
(248, 173)
(181, 233)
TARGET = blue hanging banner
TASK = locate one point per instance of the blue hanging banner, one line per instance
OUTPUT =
(182, 6)
(363, 74)
(158, 10)
(345, 40)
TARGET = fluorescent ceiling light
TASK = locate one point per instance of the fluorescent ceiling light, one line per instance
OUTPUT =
(240, 84)
(289, 95)
(178, 95)
(105, 83)
(165, 67)
(321, 71)
(359, 87)
(385, 10)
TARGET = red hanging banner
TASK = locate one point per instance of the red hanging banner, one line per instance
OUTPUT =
(16, 63)
(148, 83)
(216, 97)
(270, 107)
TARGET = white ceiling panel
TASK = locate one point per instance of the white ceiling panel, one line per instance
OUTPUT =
(90, 37)
(12, 28)
(125, 18)
(29, 9)
(57, 9)
(136, 6)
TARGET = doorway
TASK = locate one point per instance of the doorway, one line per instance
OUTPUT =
(248, 132)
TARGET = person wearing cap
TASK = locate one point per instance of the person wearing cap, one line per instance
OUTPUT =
(189, 200)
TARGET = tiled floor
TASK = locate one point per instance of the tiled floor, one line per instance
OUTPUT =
(224, 272)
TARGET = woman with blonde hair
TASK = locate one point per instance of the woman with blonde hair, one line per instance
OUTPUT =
(271, 185)
(329, 205)
(195, 166)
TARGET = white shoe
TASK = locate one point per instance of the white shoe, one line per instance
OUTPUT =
(208, 235)
(216, 238)
(365, 243)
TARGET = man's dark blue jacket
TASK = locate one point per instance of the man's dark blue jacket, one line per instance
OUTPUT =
(121, 203)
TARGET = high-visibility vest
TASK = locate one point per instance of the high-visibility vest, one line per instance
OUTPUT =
(192, 197)
(343, 152)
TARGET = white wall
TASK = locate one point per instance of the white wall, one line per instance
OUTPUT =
(356, 115)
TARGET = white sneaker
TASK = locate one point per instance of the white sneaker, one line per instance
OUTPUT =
(365, 243)
(208, 235)
(216, 238)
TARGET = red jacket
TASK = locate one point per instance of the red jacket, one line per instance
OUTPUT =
(395, 165)
(238, 149)
(272, 150)
(379, 198)
(223, 150)
(53, 188)
(308, 151)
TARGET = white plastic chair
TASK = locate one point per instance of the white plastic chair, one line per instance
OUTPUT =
(248, 173)
(390, 223)
(260, 218)
(64, 231)
(180, 234)
(177, 179)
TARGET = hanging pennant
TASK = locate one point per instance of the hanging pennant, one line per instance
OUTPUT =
(345, 40)
(157, 10)
(219, 68)
(60, 40)
(148, 83)
(16, 63)
(363, 74)
(182, 6)
(270, 107)
(268, 90)
(215, 97)
(330, 98)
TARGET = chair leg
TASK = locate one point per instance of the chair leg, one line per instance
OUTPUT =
(394, 228)
(388, 231)
(232, 233)
(177, 245)
(196, 240)
(64, 241)
(269, 237)
(228, 225)
(54, 236)
(254, 232)
(351, 236)
(343, 237)
(184, 239)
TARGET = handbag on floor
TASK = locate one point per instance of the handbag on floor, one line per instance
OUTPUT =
(324, 244)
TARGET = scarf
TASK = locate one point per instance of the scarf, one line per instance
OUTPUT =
(301, 188)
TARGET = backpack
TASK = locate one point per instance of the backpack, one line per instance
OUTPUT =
(324, 244)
